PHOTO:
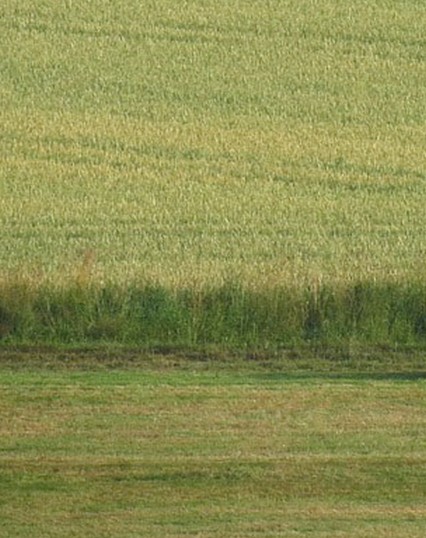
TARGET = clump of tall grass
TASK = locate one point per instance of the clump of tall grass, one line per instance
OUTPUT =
(230, 316)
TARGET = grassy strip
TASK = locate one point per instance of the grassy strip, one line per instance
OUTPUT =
(178, 453)
(229, 316)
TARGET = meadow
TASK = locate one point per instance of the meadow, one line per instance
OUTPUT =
(212, 268)
(137, 446)
(275, 147)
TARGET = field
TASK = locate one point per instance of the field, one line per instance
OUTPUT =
(266, 142)
(276, 148)
(143, 446)
(212, 268)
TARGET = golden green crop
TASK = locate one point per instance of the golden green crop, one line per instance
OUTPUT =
(199, 142)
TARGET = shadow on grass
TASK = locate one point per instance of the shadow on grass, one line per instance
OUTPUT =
(280, 366)
(278, 377)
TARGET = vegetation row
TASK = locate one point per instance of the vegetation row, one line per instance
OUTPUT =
(228, 316)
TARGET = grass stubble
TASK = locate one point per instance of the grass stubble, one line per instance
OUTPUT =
(209, 449)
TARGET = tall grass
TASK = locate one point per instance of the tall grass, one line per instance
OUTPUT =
(230, 316)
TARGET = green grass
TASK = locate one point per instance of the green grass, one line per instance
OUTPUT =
(209, 449)
(230, 317)
(185, 146)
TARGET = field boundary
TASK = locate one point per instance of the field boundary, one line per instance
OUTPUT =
(228, 318)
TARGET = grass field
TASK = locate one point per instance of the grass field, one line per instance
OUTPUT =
(112, 446)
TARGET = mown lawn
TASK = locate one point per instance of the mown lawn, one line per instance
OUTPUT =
(195, 448)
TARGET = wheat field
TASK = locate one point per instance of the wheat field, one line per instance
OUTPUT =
(264, 142)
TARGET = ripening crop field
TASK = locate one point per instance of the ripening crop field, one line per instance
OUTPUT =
(197, 142)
